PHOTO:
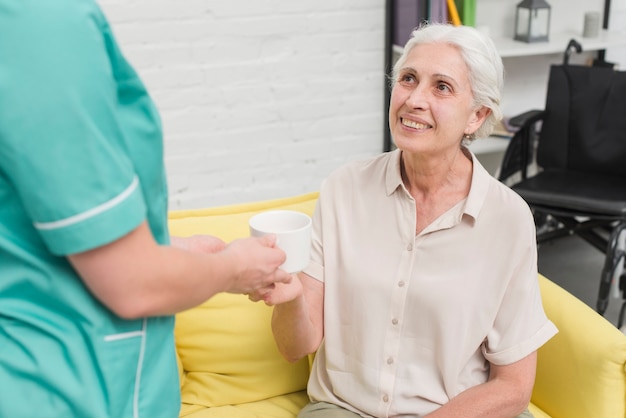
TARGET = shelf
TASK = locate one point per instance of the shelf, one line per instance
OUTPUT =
(489, 145)
(492, 144)
(508, 47)
(490, 152)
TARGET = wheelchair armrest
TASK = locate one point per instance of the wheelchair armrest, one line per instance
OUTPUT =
(527, 118)
(518, 153)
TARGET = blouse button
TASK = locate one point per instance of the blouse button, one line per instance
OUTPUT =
(394, 321)
(401, 283)
(409, 247)
(385, 398)
(390, 360)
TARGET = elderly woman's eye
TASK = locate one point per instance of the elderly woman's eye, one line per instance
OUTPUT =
(406, 78)
(443, 87)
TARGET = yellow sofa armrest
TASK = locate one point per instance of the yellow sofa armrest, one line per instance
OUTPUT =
(581, 372)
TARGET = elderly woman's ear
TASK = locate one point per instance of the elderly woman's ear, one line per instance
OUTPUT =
(479, 116)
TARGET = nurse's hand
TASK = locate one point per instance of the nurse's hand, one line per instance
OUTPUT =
(257, 261)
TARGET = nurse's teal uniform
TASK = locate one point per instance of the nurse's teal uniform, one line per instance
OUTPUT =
(81, 165)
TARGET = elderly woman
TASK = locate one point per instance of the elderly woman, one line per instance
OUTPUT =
(421, 298)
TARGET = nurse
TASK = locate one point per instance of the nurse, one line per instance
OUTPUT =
(88, 282)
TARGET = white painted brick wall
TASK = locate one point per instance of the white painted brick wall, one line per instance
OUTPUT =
(260, 99)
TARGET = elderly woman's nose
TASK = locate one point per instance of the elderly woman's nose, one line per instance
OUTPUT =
(416, 97)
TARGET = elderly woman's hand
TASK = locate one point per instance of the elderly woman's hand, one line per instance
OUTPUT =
(278, 293)
(198, 243)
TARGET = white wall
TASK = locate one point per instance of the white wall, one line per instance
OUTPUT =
(260, 99)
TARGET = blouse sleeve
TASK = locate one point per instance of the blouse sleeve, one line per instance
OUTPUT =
(521, 325)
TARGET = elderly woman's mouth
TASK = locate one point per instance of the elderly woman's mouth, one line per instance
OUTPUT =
(413, 124)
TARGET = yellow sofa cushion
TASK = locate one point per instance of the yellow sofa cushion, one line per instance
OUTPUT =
(229, 355)
(284, 406)
(225, 346)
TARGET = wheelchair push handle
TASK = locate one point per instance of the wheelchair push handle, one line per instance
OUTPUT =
(573, 44)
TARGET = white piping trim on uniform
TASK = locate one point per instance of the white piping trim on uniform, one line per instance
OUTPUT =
(123, 336)
(144, 331)
(91, 212)
(142, 350)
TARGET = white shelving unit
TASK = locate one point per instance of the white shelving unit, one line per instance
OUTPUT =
(489, 151)
(508, 47)
(489, 145)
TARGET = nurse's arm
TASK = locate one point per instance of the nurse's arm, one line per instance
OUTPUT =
(198, 243)
(136, 277)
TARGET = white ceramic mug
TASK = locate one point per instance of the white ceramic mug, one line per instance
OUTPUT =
(293, 235)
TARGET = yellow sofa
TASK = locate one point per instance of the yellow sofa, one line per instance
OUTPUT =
(230, 366)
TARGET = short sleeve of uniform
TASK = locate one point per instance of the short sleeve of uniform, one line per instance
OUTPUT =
(61, 146)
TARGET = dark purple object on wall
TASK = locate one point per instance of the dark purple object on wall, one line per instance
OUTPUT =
(408, 14)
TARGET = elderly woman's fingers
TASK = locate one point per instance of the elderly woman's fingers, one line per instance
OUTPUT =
(262, 293)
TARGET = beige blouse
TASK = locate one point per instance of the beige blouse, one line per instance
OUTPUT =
(411, 321)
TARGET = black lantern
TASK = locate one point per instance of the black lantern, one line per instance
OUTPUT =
(532, 21)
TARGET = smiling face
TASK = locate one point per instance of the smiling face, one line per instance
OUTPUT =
(431, 104)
